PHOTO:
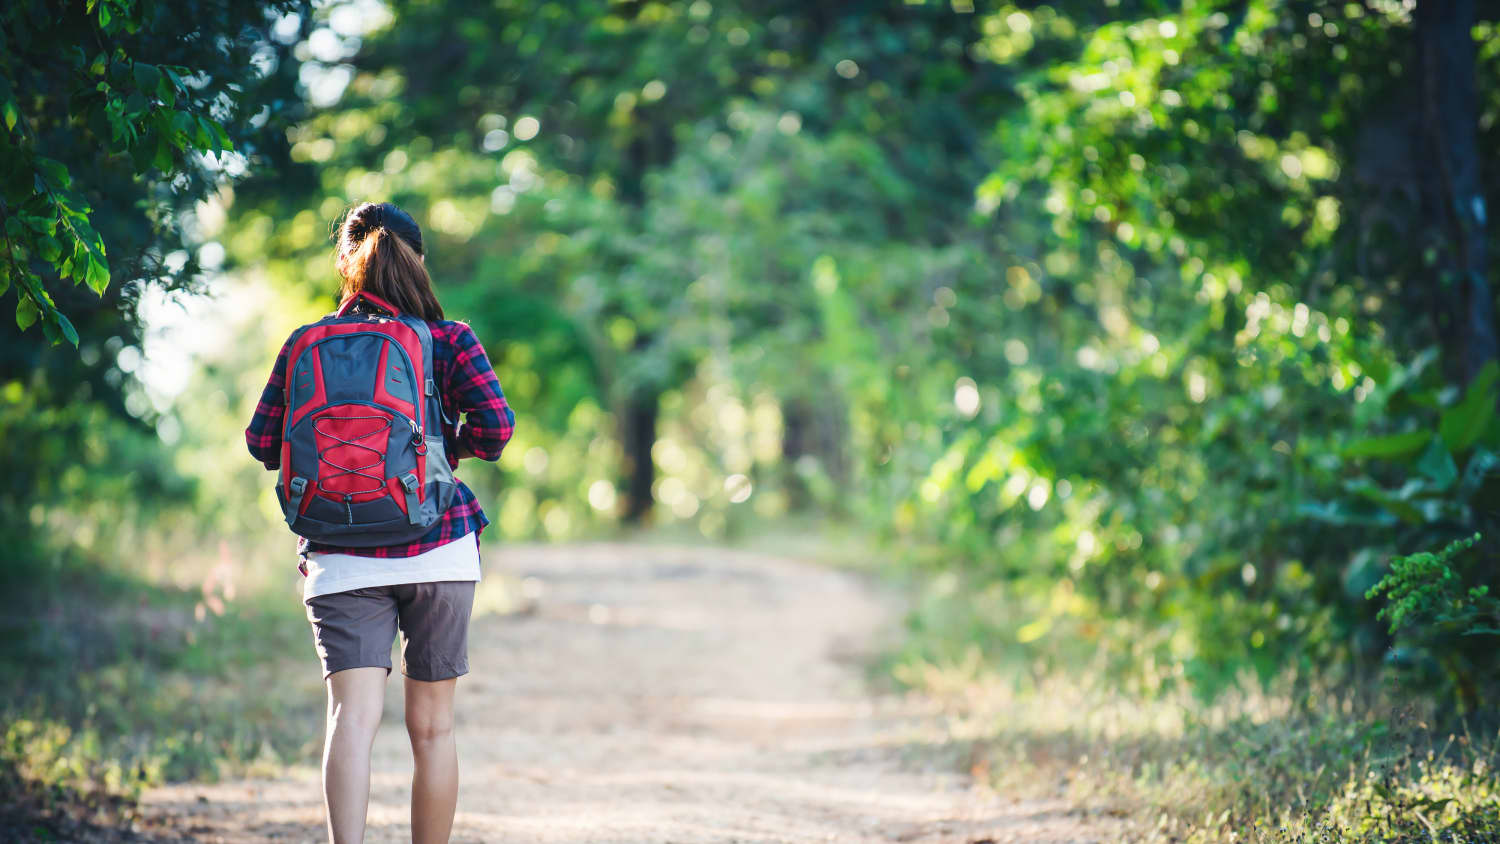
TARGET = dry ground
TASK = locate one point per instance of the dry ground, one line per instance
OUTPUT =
(665, 694)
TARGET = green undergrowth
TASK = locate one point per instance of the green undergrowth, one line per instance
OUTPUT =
(110, 684)
(1357, 760)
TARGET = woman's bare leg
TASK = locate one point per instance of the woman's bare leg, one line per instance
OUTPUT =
(434, 784)
(355, 698)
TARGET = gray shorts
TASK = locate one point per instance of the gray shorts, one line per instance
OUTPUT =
(355, 629)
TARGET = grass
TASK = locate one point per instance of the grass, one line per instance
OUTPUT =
(1292, 762)
(110, 684)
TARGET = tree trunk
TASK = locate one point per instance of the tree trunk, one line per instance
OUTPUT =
(796, 436)
(638, 435)
(1450, 128)
(816, 429)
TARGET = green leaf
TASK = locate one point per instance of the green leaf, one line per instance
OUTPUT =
(77, 265)
(12, 114)
(225, 142)
(203, 136)
(163, 158)
(97, 276)
(49, 248)
(1437, 464)
(1392, 502)
(91, 241)
(1463, 423)
(140, 156)
(147, 77)
(56, 173)
(76, 208)
(1389, 447)
(49, 329)
(26, 312)
(66, 325)
(183, 125)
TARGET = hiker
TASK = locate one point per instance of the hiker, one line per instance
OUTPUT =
(366, 415)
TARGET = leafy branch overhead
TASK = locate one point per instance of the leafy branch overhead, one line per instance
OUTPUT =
(98, 105)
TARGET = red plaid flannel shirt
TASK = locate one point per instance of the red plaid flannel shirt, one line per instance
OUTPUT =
(471, 393)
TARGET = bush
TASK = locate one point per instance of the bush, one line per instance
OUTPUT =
(1443, 628)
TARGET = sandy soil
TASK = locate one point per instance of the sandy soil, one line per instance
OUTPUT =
(665, 694)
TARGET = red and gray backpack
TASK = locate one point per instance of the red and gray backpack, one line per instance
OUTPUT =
(362, 456)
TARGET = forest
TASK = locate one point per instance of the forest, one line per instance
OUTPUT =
(1146, 348)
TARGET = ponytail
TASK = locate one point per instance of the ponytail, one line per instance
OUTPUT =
(380, 253)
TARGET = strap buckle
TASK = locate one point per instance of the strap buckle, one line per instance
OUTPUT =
(296, 487)
(413, 506)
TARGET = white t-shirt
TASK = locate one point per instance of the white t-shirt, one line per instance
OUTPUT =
(329, 572)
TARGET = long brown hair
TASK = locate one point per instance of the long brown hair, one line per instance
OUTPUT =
(380, 252)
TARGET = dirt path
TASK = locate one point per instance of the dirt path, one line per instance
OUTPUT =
(665, 694)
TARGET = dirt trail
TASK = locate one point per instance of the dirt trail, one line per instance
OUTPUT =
(665, 694)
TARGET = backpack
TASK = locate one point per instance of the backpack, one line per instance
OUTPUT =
(362, 457)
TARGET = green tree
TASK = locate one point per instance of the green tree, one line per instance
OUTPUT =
(117, 118)
(1249, 234)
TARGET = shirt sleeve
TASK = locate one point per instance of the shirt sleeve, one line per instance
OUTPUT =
(263, 436)
(474, 391)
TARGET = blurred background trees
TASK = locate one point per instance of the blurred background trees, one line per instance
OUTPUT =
(1144, 332)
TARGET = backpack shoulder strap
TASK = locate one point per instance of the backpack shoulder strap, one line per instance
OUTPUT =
(432, 395)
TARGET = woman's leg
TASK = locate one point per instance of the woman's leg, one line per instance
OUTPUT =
(434, 785)
(355, 698)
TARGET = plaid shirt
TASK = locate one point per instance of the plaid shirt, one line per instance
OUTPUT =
(470, 390)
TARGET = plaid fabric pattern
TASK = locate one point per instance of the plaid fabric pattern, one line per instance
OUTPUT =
(482, 425)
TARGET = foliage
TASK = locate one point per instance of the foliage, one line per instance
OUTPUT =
(119, 118)
(1444, 623)
(1137, 419)
(118, 96)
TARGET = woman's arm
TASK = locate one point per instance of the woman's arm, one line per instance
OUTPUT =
(263, 436)
(474, 391)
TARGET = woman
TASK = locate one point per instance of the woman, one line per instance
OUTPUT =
(357, 598)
